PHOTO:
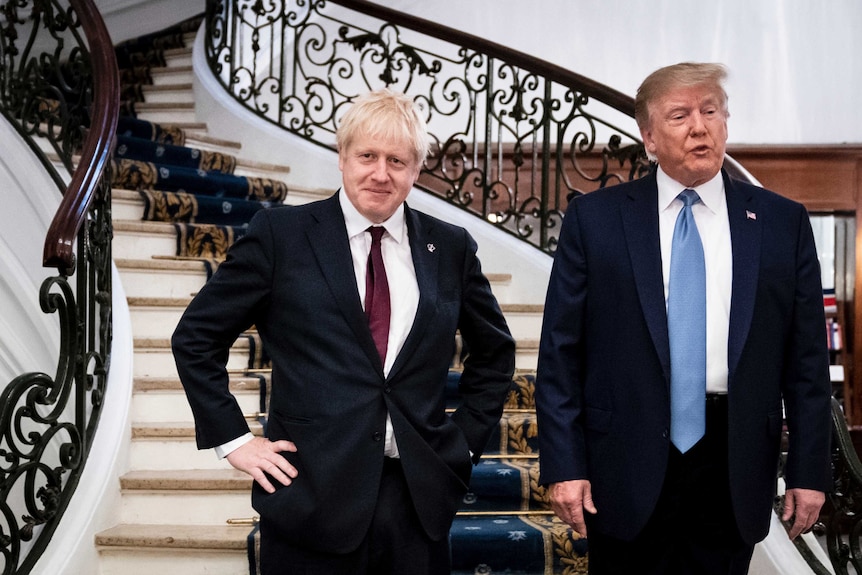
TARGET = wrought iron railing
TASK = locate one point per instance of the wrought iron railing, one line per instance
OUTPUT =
(513, 136)
(59, 84)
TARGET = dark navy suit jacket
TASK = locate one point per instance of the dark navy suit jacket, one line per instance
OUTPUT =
(292, 277)
(604, 361)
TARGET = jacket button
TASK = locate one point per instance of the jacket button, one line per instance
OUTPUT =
(665, 434)
(387, 389)
(377, 436)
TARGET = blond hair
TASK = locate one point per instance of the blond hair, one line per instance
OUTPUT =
(384, 114)
(663, 80)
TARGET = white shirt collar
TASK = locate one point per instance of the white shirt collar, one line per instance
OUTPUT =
(357, 223)
(710, 192)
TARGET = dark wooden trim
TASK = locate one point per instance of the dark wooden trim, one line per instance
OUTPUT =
(96, 153)
(825, 178)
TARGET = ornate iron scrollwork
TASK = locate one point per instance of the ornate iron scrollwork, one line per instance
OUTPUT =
(509, 144)
(47, 421)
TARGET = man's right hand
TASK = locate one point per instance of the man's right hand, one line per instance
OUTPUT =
(569, 499)
(260, 456)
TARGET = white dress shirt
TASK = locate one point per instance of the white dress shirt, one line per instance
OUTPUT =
(403, 292)
(401, 275)
(710, 215)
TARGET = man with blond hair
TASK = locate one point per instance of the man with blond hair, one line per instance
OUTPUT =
(684, 317)
(357, 299)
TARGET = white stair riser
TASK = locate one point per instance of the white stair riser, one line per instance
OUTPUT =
(127, 209)
(159, 362)
(142, 282)
(172, 406)
(185, 507)
(168, 76)
(147, 561)
(172, 455)
(178, 59)
(154, 321)
(523, 325)
(526, 359)
(168, 116)
(169, 96)
(142, 245)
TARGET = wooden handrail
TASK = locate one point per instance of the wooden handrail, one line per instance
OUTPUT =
(558, 74)
(98, 146)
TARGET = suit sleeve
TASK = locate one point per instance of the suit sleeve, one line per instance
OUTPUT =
(227, 305)
(488, 369)
(806, 386)
(559, 390)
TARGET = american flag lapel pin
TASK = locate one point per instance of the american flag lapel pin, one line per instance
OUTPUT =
(749, 215)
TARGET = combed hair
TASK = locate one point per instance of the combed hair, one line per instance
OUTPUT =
(665, 79)
(385, 114)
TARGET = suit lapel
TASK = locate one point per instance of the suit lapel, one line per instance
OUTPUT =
(425, 262)
(745, 238)
(640, 223)
(331, 246)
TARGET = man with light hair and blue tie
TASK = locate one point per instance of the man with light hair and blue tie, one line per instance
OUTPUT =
(683, 323)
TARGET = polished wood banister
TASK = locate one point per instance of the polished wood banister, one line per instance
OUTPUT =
(98, 146)
(558, 74)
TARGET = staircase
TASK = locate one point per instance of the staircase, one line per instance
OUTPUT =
(186, 512)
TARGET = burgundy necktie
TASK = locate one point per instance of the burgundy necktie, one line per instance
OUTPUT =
(377, 294)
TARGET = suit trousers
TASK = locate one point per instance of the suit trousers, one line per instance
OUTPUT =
(396, 543)
(692, 530)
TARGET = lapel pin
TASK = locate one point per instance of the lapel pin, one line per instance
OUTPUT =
(750, 215)
(431, 248)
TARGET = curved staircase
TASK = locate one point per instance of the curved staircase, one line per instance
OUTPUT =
(183, 510)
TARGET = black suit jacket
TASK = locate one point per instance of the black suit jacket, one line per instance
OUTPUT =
(292, 276)
(603, 378)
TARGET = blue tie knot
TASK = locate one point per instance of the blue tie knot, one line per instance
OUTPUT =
(689, 197)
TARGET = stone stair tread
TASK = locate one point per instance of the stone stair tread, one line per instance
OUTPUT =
(161, 70)
(222, 537)
(522, 307)
(164, 342)
(173, 265)
(149, 106)
(167, 87)
(159, 301)
(187, 480)
(143, 226)
(177, 430)
(204, 138)
(146, 384)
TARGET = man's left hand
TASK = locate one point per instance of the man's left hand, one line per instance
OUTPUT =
(803, 505)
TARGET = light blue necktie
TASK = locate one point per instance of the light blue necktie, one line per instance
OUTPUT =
(686, 321)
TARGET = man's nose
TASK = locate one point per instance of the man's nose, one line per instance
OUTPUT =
(381, 171)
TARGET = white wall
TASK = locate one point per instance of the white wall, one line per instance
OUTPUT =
(132, 18)
(795, 70)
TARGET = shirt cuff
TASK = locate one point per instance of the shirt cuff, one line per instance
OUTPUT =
(225, 449)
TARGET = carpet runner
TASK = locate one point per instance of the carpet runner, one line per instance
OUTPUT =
(504, 525)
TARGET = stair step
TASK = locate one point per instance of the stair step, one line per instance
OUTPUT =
(189, 496)
(153, 357)
(178, 57)
(172, 447)
(152, 278)
(524, 320)
(172, 75)
(162, 400)
(155, 316)
(142, 240)
(168, 93)
(139, 549)
(526, 354)
(168, 113)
